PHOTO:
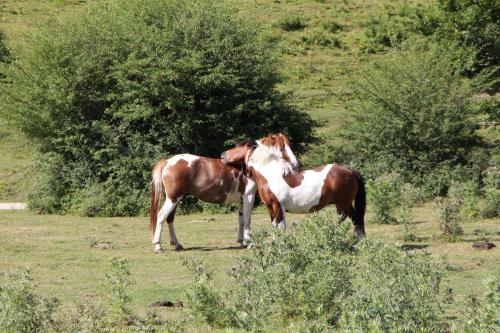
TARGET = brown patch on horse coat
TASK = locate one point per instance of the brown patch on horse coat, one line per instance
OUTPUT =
(267, 196)
(208, 179)
(295, 179)
(339, 188)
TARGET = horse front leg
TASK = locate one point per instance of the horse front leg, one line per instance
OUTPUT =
(241, 221)
(248, 202)
(277, 212)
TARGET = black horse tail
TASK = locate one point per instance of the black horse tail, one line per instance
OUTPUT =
(358, 215)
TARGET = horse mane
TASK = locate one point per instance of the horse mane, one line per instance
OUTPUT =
(264, 155)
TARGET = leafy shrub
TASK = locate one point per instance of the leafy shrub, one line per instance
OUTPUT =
(302, 275)
(465, 193)
(108, 91)
(491, 108)
(384, 194)
(4, 51)
(21, 309)
(482, 315)
(473, 24)
(394, 291)
(204, 300)
(412, 115)
(448, 210)
(118, 280)
(409, 195)
(292, 22)
(320, 277)
(492, 191)
(5, 57)
(85, 317)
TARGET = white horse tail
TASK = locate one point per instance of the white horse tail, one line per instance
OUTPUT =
(156, 192)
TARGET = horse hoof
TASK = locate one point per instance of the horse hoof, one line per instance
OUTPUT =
(239, 241)
(179, 248)
(158, 251)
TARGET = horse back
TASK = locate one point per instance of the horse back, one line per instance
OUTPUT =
(206, 178)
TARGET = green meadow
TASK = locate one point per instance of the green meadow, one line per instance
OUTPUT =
(321, 44)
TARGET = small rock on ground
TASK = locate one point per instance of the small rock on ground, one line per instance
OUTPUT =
(483, 245)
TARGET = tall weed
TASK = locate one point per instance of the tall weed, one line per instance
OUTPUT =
(21, 309)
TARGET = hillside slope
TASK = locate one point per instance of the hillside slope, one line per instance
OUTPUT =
(322, 43)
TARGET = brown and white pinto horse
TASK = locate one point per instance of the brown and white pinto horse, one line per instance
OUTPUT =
(281, 189)
(207, 179)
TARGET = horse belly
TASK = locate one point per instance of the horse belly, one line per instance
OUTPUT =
(302, 203)
(303, 198)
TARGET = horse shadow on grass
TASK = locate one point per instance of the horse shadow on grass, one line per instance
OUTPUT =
(214, 248)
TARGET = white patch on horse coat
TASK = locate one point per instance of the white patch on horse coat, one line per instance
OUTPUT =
(185, 157)
(298, 199)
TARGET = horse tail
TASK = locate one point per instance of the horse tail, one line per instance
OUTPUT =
(359, 206)
(156, 193)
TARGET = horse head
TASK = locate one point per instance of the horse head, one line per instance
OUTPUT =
(237, 156)
(274, 147)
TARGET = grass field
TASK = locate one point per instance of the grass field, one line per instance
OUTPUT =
(64, 263)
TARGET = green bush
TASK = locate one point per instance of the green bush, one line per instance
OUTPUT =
(466, 194)
(475, 25)
(5, 57)
(292, 22)
(84, 317)
(118, 280)
(319, 276)
(481, 315)
(448, 210)
(384, 194)
(394, 291)
(492, 191)
(302, 275)
(108, 91)
(411, 115)
(21, 309)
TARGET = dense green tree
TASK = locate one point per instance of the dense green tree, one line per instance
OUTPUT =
(109, 91)
(474, 25)
(412, 114)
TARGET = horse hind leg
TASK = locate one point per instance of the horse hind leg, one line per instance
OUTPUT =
(171, 230)
(167, 211)
(350, 212)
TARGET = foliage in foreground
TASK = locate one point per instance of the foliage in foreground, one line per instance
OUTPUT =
(22, 310)
(109, 91)
(319, 275)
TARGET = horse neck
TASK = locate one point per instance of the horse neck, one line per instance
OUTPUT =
(270, 164)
